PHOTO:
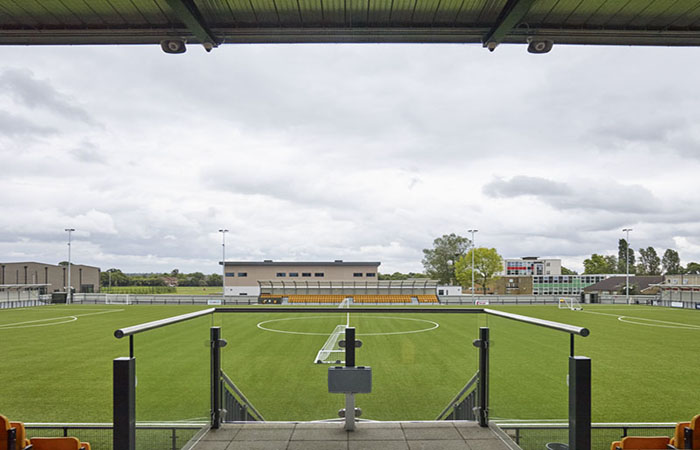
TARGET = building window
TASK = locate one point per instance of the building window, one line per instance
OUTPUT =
(306, 274)
(230, 274)
(370, 274)
(281, 274)
(293, 274)
(318, 274)
(242, 274)
(357, 274)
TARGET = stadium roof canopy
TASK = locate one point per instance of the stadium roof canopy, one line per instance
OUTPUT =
(213, 22)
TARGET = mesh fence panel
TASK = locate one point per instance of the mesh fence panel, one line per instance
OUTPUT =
(601, 437)
(100, 438)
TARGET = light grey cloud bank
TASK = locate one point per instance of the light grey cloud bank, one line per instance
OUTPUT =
(345, 151)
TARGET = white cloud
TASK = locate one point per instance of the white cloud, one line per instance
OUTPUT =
(344, 152)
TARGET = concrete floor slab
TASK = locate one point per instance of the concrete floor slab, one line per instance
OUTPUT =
(430, 432)
(442, 435)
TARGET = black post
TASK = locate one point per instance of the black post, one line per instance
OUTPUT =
(124, 404)
(484, 376)
(215, 377)
(579, 403)
(350, 347)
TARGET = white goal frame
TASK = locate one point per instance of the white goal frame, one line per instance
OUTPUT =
(117, 299)
(331, 353)
(570, 303)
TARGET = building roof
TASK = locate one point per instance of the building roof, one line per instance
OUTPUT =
(486, 22)
(616, 283)
(271, 263)
(5, 263)
(420, 283)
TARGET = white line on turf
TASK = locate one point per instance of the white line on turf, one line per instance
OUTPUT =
(59, 320)
(656, 323)
(308, 333)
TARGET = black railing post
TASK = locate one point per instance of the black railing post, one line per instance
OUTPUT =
(483, 406)
(124, 404)
(579, 403)
(216, 343)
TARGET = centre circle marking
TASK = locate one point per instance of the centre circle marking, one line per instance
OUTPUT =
(433, 325)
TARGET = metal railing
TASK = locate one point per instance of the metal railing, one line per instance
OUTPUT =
(461, 407)
(124, 372)
(153, 436)
(535, 436)
(237, 408)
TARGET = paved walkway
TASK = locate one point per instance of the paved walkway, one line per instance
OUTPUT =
(439, 435)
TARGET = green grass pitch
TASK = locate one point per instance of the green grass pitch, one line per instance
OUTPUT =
(56, 363)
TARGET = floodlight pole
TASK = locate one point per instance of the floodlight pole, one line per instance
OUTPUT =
(69, 299)
(473, 251)
(223, 232)
(627, 263)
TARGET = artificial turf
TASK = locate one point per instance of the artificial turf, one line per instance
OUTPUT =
(58, 369)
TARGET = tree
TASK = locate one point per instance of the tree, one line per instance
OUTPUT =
(692, 268)
(214, 279)
(671, 262)
(565, 271)
(649, 262)
(622, 250)
(599, 264)
(116, 276)
(439, 261)
(487, 263)
(63, 263)
(611, 262)
(401, 276)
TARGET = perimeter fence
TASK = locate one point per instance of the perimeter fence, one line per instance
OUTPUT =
(536, 436)
(162, 436)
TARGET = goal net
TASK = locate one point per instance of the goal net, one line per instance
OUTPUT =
(331, 353)
(570, 303)
(117, 299)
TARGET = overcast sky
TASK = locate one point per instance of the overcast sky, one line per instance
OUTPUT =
(354, 152)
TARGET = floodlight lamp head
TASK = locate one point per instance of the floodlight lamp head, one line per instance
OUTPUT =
(539, 46)
(173, 46)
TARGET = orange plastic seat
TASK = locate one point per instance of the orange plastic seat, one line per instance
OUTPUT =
(692, 433)
(615, 445)
(58, 443)
(22, 441)
(677, 441)
(8, 434)
(644, 443)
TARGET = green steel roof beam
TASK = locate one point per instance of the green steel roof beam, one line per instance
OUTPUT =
(190, 15)
(511, 15)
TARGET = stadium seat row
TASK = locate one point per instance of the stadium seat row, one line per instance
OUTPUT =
(394, 299)
(427, 298)
(685, 436)
(381, 298)
(316, 298)
(13, 436)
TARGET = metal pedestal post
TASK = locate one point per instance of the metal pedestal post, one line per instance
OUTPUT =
(350, 412)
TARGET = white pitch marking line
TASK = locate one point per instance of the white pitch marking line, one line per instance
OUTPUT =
(676, 325)
(71, 318)
(308, 333)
